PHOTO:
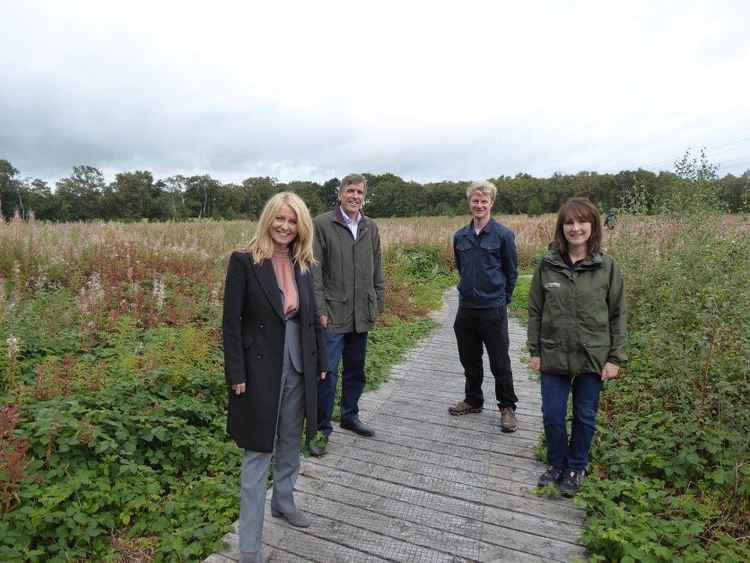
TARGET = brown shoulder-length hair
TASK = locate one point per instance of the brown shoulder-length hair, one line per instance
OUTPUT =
(582, 209)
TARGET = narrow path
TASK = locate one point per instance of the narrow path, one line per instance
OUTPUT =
(429, 486)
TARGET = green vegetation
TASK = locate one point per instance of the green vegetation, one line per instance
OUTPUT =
(672, 452)
(132, 196)
(112, 441)
(519, 307)
(112, 433)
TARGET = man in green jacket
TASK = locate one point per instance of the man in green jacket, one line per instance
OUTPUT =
(350, 294)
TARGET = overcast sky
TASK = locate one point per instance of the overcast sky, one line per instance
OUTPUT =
(426, 90)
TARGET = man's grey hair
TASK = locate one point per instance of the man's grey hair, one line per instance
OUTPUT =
(352, 180)
(485, 188)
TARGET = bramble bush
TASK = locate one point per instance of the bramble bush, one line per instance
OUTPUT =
(672, 452)
(112, 437)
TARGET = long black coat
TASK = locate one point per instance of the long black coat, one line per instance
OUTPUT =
(254, 329)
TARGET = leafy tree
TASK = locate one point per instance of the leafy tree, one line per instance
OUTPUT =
(135, 196)
(80, 194)
(311, 193)
(257, 191)
(174, 188)
(329, 192)
(41, 201)
(201, 194)
(694, 186)
(9, 189)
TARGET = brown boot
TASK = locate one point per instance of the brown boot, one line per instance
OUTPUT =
(462, 407)
(508, 422)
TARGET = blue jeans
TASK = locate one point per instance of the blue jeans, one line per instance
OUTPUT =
(352, 346)
(572, 455)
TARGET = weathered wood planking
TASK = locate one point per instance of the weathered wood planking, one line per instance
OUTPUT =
(429, 486)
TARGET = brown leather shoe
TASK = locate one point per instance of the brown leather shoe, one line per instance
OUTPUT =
(508, 421)
(462, 407)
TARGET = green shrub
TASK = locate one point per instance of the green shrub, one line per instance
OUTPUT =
(672, 447)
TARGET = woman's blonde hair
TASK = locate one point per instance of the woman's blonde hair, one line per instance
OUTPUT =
(261, 245)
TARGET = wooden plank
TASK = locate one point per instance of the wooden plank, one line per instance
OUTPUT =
(348, 445)
(216, 558)
(232, 554)
(452, 507)
(492, 476)
(447, 448)
(484, 422)
(404, 526)
(489, 442)
(429, 486)
(511, 498)
(454, 531)
(363, 535)
(414, 400)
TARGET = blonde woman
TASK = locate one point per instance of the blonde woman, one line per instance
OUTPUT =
(274, 355)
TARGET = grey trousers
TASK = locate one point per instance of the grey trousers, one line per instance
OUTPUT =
(285, 464)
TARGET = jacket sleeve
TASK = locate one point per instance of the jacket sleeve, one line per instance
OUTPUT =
(234, 296)
(509, 258)
(616, 305)
(456, 257)
(320, 341)
(378, 281)
(319, 251)
(536, 306)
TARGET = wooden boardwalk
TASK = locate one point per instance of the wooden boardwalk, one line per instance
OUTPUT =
(429, 486)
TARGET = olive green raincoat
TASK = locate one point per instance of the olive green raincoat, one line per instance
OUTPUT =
(576, 318)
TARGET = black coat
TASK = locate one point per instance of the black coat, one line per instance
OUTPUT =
(253, 348)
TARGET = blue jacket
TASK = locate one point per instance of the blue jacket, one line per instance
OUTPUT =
(487, 264)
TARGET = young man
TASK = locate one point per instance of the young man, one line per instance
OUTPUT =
(486, 259)
(350, 294)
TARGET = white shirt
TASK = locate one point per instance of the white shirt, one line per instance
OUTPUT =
(352, 225)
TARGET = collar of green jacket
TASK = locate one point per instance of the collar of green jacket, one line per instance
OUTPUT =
(554, 258)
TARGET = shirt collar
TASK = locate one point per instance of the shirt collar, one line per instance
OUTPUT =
(485, 229)
(348, 220)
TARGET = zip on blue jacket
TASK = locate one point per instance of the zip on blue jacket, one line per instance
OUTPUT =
(488, 265)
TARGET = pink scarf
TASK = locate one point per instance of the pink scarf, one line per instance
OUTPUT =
(282, 267)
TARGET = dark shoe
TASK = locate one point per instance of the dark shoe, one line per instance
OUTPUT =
(296, 518)
(357, 426)
(462, 407)
(552, 475)
(318, 448)
(571, 482)
(508, 422)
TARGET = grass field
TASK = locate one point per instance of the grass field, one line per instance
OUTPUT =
(112, 442)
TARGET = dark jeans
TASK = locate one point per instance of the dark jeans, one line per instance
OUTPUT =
(555, 389)
(352, 346)
(473, 328)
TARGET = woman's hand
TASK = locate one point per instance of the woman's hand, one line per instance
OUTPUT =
(536, 363)
(238, 388)
(610, 371)
(323, 375)
(323, 323)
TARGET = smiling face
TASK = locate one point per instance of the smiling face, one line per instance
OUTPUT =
(577, 233)
(352, 198)
(480, 206)
(283, 228)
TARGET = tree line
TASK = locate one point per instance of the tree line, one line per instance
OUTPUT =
(85, 195)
